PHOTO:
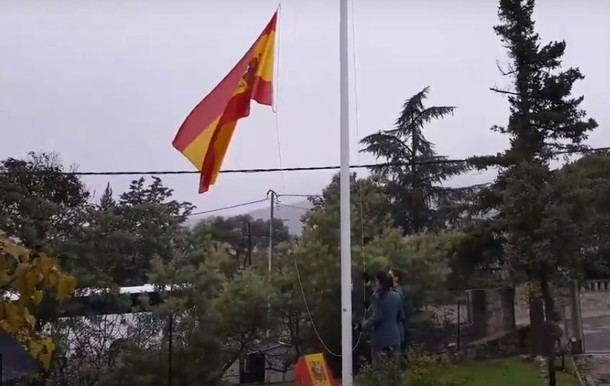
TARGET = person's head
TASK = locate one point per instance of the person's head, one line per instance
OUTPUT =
(396, 276)
(383, 282)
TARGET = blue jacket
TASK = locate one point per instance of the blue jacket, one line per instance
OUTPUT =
(403, 326)
(388, 316)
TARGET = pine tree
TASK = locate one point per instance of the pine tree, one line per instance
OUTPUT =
(544, 119)
(410, 182)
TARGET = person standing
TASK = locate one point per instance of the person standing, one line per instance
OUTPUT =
(396, 275)
(384, 323)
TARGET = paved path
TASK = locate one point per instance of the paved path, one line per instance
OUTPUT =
(597, 334)
(597, 345)
(597, 369)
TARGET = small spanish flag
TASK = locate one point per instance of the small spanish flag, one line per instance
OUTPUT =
(206, 132)
(312, 370)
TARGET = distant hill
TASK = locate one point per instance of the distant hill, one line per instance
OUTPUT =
(290, 213)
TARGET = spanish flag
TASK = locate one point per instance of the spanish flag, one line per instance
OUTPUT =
(206, 132)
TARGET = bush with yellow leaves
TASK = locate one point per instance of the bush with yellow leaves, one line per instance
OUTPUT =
(25, 278)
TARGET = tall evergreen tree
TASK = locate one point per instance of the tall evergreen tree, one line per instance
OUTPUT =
(410, 181)
(523, 202)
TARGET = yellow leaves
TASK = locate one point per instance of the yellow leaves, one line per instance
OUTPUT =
(42, 349)
(26, 276)
(46, 265)
(25, 280)
(15, 317)
(14, 250)
(37, 297)
(65, 287)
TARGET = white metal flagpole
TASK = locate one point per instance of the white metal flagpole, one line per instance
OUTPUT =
(346, 249)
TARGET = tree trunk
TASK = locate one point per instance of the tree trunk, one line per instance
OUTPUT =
(537, 333)
(551, 320)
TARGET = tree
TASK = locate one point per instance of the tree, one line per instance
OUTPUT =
(88, 346)
(411, 182)
(314, 280)
(216, 320)
(525, 208)
(40, 203)
(123, 236)
(424, 259)
(26, 278)
(369, 213)
(242, 234)
(585, 184)
(311, 266)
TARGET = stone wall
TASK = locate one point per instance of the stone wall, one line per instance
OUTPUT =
(493, 311)
(594, 301)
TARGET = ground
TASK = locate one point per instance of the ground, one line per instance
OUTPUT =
(597, 368)
(504, 372)
(596, 363)
(507, 372)
(597, 334)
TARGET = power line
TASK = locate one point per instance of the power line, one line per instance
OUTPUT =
(474, 186)
(228, 207)
(430, 161)
(298, 195)
(294, 206)
(244, 171)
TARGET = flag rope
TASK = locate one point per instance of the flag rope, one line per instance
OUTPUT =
(312, 321)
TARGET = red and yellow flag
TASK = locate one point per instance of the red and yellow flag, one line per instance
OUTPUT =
(312, 370)
(206, 132)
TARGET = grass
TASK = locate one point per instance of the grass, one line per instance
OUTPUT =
(507, 372)
(502, 372)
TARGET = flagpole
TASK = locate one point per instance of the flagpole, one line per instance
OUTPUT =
(346, 253)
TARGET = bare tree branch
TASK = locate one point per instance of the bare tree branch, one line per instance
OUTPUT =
(503, 91)
(510, 70)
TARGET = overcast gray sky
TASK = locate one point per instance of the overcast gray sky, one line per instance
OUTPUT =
(107, 83)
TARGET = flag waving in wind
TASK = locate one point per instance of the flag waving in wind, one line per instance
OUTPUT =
(205, 134)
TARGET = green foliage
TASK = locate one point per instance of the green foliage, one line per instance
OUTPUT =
(216, 320)
(424, 260)
(544, 116)
(426, 369)
(368, 207)
(316, 255)
(388, 372)
(124, 236)
(40, 204)
(585, 186)
(526, 204)
(527, 208)
(233, 232)
(412, 185)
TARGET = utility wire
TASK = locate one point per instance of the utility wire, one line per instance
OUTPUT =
(429, 161)
(298, 195)
(228, 207)
(474, 186)
(294, 206)
(235, 171)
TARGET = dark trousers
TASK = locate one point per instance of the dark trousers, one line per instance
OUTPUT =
(381, 355)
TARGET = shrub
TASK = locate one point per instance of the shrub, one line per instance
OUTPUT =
(426, 369)
(386, 373)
